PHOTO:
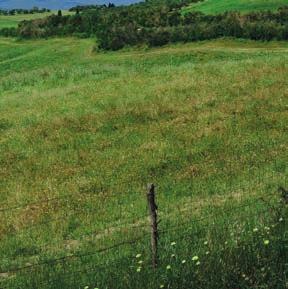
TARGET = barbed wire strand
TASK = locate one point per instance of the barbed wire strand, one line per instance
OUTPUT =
(175, 228)
(126, 221)
(90, 269)
(6, 207)
(64, 258)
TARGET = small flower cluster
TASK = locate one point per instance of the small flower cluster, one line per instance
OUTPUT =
(140, 262)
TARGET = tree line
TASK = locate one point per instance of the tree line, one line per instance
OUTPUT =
(155, 24)
(81, 8)
(24, 11)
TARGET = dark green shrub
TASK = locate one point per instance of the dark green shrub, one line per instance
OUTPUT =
(9, 32)
(262, 30)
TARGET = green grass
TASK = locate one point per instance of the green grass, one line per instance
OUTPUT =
(13, 20)
(244, 6)
(207, 122)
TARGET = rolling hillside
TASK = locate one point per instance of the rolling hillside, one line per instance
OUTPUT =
(244, 6)
(12, 21)
(83, 130)
(82, 133)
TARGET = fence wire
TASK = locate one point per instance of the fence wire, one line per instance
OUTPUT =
(67, 258)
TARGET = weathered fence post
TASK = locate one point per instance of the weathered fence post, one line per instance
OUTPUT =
(154, 225)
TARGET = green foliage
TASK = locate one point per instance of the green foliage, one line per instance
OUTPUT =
(263, 31)
(158, 24)
(9, 32)
(24, 11)
(192, 27)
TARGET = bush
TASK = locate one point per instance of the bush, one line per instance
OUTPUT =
(9, 32)
(284, 33)
(159, 36)
(156, 24)
(30, 29)
(262, 30)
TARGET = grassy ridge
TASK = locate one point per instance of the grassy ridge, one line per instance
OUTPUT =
(205, 121)
(13, 20)
(244, 6)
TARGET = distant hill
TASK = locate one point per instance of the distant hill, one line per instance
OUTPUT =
(219, 6)
(206, 6)
(56, 4)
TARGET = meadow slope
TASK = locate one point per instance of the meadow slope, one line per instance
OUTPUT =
(207, 122)
(13, 20)
(244, 6)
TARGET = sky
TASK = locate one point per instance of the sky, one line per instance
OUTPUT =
(56, 4)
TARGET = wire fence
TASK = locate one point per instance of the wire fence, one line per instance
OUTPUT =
(118, 233)
(73, 256)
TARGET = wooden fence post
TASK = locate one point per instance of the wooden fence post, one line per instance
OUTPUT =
(154, 224)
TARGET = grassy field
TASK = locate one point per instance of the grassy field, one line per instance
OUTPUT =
(12, 21)
(244, 6)
(206, 122)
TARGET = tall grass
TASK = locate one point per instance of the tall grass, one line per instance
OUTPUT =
(206, 122)
(229, 247)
